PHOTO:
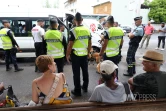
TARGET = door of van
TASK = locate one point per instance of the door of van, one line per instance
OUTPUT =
(66, 31)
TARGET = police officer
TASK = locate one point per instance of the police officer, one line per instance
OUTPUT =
(9, 44)
(79, 47)
(56, 44)
(135, 38)
(38, 35)
(112, 41)
(116, 24)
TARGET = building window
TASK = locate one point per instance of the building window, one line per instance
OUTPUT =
(105, 8)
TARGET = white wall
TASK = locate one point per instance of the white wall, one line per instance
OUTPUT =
(144, 14)
(124, 11)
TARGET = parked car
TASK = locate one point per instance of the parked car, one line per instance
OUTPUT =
(126, 28)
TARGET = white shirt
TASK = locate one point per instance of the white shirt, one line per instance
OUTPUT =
(37, 33)
(102, 93)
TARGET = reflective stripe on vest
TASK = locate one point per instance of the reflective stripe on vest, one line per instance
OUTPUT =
(55, 47)
(80, 45)
(6, 41)
(115, 36)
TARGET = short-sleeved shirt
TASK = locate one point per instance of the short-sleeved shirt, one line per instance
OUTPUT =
(162, 34)
(138, 31)
(37, 33)
(148, 29)
(102, 93)
(72, 37)
(150, 83)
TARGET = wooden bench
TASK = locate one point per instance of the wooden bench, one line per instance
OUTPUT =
(158, 105)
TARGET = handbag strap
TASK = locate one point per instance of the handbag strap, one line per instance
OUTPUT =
(126, 86)
(53, 88)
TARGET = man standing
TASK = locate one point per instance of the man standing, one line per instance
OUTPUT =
(112, 41)
(38, 35)
(55, 44)
(161, 37)
(79, 48)
(152, 82)
(148, 32)
(135, 38)
(9, 44)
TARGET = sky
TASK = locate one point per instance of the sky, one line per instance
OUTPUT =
(32, 3)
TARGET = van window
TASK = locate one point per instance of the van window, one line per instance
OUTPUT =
(19, 27)
(46, 24)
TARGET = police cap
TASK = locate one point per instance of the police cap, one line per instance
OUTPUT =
(78, 16)
(110, 19)
(138, 18)
(40, 20)
(5, 21)
(53, 21)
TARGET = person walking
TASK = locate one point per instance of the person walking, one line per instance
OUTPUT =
(148, 32)
(79, 47)
(38, 35)
(112, 42)
(9, 46)
(56, 44)
(135, 38)
(161, 37)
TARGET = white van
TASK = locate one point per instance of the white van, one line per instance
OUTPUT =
(19, 17)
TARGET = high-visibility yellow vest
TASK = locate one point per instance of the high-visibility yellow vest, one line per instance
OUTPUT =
(55, 47)
(6, 41)
(80, 45)
(115, 36)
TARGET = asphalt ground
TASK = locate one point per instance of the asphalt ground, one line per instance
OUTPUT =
(21, 81)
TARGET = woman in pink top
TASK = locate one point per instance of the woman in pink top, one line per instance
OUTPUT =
(148, 32)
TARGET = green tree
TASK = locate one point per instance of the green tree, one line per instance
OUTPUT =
(56, 4)
(146, 2)
(158, 11)
(47, 4)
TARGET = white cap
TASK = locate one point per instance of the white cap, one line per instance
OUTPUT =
(107, 67)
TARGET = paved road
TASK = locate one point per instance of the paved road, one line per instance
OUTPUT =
(21, 81)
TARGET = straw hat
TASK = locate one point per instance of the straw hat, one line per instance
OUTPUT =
(153, 56)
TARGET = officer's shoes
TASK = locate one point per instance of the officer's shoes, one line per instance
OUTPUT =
(75, 93)
(19, 69)
(8, 69)
(127, 74)
(84, 89)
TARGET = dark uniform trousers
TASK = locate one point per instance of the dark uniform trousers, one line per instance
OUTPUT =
(77, 62)
(39, 50)
(131, 58)
(60, 64)
(10, 56)
(114, 59)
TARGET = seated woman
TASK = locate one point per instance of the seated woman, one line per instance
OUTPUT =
(50, 88)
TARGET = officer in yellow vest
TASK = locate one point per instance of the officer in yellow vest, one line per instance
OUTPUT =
(9, 43)
(56, 44)
(112, 41)
(79, 47)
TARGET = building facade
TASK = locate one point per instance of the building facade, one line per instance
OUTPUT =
(103, 8)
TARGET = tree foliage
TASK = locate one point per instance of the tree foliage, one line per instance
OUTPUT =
(158, 11)
(47, 4)
(146, 2)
